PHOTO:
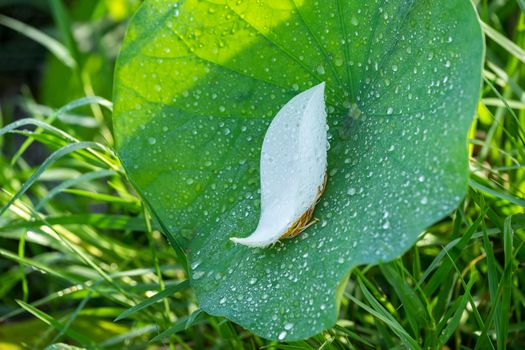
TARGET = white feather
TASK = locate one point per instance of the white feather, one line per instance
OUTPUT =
(293, 166)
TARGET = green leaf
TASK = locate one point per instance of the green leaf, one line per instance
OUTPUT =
(197, 84)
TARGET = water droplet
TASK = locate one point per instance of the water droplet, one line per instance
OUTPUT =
(198, 275)
(152, 140)
(354, 21)
(320, 69)
(282, 335)
(288, 326)
(351, 191)
(222, 301)
(195, 264)
(424, 200)
(389, 111)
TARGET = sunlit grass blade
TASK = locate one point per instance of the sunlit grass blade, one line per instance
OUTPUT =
(100, 197)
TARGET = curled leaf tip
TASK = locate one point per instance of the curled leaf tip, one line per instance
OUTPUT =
(293, 169)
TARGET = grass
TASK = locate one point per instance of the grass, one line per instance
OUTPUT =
(82, 262)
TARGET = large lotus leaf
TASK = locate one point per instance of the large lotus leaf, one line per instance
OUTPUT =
(197, 85)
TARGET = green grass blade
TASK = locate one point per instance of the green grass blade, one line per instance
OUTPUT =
(378, 311)
(73, 182)
(504, 42)
(414, 309)
(476, 185)
(100, 221)
(521, 3)
(86, 101)
(64, 24)
(31, 263)
(179, 326)
(450, 325)
(152, 300)
(53, 45)
(49, 320)
(134, 333)
(49, 160)
(38, 123)
(505, 286)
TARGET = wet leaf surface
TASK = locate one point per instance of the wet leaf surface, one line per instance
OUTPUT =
(198, 83)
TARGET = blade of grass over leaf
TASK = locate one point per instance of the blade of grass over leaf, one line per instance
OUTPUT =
(154, 299)
(179, 326)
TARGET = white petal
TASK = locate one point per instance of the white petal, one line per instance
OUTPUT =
(293, 166)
